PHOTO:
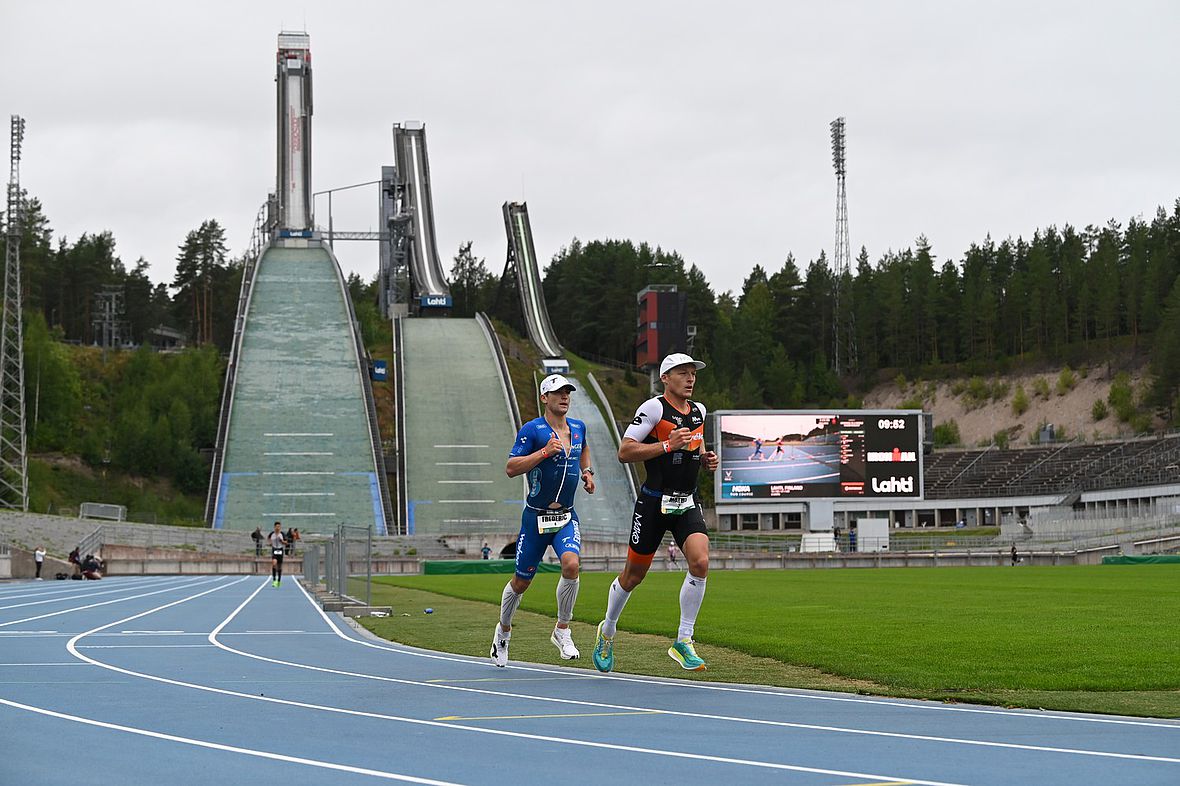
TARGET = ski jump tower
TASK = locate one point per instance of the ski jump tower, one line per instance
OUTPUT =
(293, 78)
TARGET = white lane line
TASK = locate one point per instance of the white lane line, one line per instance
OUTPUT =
(80, 589)
(707, 716)
(460, 446)
(296, 515)
(71, 646)
(66, 598)
(34, 633)
(327, 765)
(299, 473)
(502, 732)
(108, 602)
(298, 434)
(465, 481)
(299, 493)
(297, 453)
(139, 646)
(150, 632)
(69, 663)
(784, 693)
(462, 463)
(466, 501)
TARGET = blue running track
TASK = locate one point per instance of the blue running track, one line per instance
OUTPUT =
(227, 680)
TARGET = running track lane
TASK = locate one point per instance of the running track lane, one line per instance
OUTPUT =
(229, 677)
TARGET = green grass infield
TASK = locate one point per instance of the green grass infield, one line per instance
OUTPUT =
(1087, 638)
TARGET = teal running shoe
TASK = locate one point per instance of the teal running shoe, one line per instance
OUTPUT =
(604, 651)
(683, 652)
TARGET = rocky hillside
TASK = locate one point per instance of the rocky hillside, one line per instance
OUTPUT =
(1093, 403)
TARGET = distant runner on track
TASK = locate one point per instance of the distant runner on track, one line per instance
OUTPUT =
(278, 544)
(667, 435)
(552, 449)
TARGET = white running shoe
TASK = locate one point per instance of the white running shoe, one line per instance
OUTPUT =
(565, 644)
(499, 648)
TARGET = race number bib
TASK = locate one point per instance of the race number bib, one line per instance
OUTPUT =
(676, 504)
(552, 522)
(276, 552)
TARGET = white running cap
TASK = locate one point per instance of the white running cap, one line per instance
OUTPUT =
(555, 382)
(678, 359)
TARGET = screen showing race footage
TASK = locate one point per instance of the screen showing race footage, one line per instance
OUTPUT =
(773, 455)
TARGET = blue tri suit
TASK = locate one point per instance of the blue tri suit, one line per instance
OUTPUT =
(555, 479)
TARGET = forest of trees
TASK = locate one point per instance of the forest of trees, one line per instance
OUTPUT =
(62, 280)
(1063, 296)
(139, 412)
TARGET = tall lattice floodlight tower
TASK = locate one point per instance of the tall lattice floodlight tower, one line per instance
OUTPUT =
(14, 470)
(843, 312)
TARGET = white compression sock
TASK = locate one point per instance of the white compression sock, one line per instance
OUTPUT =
(567, 594)
(692, 592)
(615, 602)
(508, 603)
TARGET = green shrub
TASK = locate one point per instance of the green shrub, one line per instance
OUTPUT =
(977, 389)
(901, 382)
(1000, 439)
(1000, 389)
(1099, 410)
(1041, 387)
(628, 377)
(1083, 371)
(911, 403)
(1019, 401)
(1141, 422)
(1122, 396)
(958, 387)
(946, 434)
(1066, 381)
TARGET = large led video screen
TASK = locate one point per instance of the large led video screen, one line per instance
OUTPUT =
(778, 455)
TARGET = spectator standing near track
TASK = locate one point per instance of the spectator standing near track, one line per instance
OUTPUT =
(278, 545)
(668, 436)
(672, 555)
(39, 559)
(289, 539)
(552, 450)
(486, 551)
(258, 538)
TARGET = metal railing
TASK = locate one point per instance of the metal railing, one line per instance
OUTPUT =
(258, 241)
(494, 339)
(337, 558)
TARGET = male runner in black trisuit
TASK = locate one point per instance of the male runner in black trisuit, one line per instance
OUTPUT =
(668, 436)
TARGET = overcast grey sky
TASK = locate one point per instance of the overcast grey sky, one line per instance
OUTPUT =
(699, 127)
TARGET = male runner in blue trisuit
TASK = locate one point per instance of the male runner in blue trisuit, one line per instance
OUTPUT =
(552, 449)
(757, 450)
(668, 436)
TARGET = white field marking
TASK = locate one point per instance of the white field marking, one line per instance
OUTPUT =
(678, 713)
(71, 646)
(470, 521)
(462, 463)
(31, 633)
(68, 598)
(300, 473)
(275, 633)
(299, 493)
(744, 690)
(108, 602)
(467, 501)
(79, 589)
(295, 515)
(139, 646)
(298, 434)
(297, 453)
(464, 481)
(460, 446)
(151, 632)
(228, 748)
(70, 663)
(423, 722)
